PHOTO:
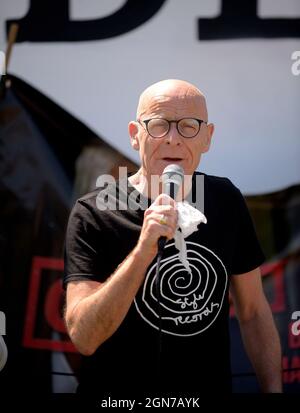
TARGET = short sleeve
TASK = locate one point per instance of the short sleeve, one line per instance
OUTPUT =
(248, 254)
(82, 250)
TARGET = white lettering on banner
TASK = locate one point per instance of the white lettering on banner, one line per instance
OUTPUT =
(296, 65)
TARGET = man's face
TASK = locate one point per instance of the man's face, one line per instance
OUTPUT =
(156, 153)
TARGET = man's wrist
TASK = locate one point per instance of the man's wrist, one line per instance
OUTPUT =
(144, 256)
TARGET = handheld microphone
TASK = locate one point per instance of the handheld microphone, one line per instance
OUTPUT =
(172, 179)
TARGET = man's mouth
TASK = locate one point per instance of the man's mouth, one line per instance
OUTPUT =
(172, 159)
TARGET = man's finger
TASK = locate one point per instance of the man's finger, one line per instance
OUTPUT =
(164, 199)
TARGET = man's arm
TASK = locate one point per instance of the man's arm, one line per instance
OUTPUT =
(95, 310)
(259, 333)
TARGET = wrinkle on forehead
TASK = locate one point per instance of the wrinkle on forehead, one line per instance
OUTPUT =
(172, 92)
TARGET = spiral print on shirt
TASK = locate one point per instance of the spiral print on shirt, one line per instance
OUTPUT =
(190, 303)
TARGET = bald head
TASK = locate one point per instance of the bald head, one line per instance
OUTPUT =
(172, 91)
(174, 101)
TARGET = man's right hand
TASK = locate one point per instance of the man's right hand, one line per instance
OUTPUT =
(95, 310)
(160, 220)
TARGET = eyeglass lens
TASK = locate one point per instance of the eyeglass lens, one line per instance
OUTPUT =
(187, 127)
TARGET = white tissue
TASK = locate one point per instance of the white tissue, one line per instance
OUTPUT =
(188, 220)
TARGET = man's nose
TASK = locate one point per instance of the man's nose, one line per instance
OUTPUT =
(173, 136)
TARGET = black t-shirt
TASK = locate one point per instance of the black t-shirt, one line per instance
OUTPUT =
(194, 343)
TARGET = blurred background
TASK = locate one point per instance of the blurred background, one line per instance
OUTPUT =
(75, 70)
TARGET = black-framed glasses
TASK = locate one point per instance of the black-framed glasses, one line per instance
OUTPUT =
(186, 127)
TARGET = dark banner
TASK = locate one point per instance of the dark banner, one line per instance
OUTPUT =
(277, 221)
(48, 159)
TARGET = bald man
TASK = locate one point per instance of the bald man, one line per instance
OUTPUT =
(128, 341)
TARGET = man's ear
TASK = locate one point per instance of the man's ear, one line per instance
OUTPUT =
(133, 133)
(208, 136)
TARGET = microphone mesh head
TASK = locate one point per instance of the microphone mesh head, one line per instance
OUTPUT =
(173, 173)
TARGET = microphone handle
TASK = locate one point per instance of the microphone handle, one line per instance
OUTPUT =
(161, 244)
(169, 190)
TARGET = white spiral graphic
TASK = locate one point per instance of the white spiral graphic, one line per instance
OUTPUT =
(189, 302)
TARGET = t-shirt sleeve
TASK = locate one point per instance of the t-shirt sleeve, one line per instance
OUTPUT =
(248, 254)
(82, 250)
